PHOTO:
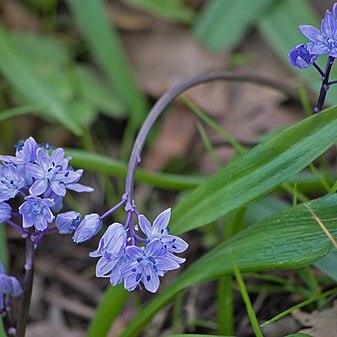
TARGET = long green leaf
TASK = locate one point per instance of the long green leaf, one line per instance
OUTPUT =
(107, 50)
(103, 164)
(222, 24)
(287, 240)
(172, 10)
(32, 86)
(110, 306)
(257, 172)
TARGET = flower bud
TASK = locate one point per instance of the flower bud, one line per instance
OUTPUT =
(67, 222)
(89, 227)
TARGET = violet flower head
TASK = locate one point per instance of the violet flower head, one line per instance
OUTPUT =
(51, 172)
(160, 230)
(145, 265)
(10, 182)
(88, 228)
(67, 222)
(301, 57)
(9, 288)
(111, 252)
(36, 212)
(324, 40)
(5, 212)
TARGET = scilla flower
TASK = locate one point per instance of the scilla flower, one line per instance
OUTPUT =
(301, 57)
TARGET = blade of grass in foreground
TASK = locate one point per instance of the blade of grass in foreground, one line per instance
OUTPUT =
(257, 172)
(287, 240)
(110, 306)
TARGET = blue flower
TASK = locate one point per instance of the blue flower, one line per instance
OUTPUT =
(36, 212)
(10, 182)
(25, 153)
(89, 227)
(111, 252)
(9, 287)
(51, 172)
(145, 265)
(5, 212)
(67, 222)
(324, 40)
(160, 231)
(301, 57)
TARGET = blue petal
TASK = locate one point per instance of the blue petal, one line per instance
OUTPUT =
(319, 49)
(134, 252)
(161, 222)
(150, 280)
(165, 263)
(39, 187)
(153, 248)
(16, 289)
(144, 225)
(312, 33)
(131, 282)
(328, 25)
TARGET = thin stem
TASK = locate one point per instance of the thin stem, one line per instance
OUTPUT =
(18, 228)
(318, 68)
(325, 85)
(27, 288)
(331, 83)
(173, 93)
(113, 209)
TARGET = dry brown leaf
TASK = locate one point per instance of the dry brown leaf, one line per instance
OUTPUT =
(322, 324)
(163, 57)
(15, 15)
(174, 137)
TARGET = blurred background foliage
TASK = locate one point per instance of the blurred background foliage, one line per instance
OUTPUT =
(83, 74)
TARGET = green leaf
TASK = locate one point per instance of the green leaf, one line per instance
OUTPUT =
(106, 48)
(222, 24)
(328, 264)
(110, 306)
(257, 172)
(287, 240)
(103, 164)
(172, 10)
(20, 73)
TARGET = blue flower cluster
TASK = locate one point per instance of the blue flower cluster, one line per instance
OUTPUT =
(9, 288)
(39, 176)
(127, 257)
(323, 41)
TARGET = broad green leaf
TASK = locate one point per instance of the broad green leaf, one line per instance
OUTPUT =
(172, 10)
(257, 172)
(298, 335)
(110, 306)
(20, 73)
(103, 164)
(106, 48)
(287, 240)
(20, 110)
(222, 24)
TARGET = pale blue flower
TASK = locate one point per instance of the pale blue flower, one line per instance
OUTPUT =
(111, 252)
(88, 228)
(324, 40)
(36, 212)
(9, 288)
(145, 265)
(67, 222)
(159, 230)
(5, 212)
(10, 182)
(301, 57)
